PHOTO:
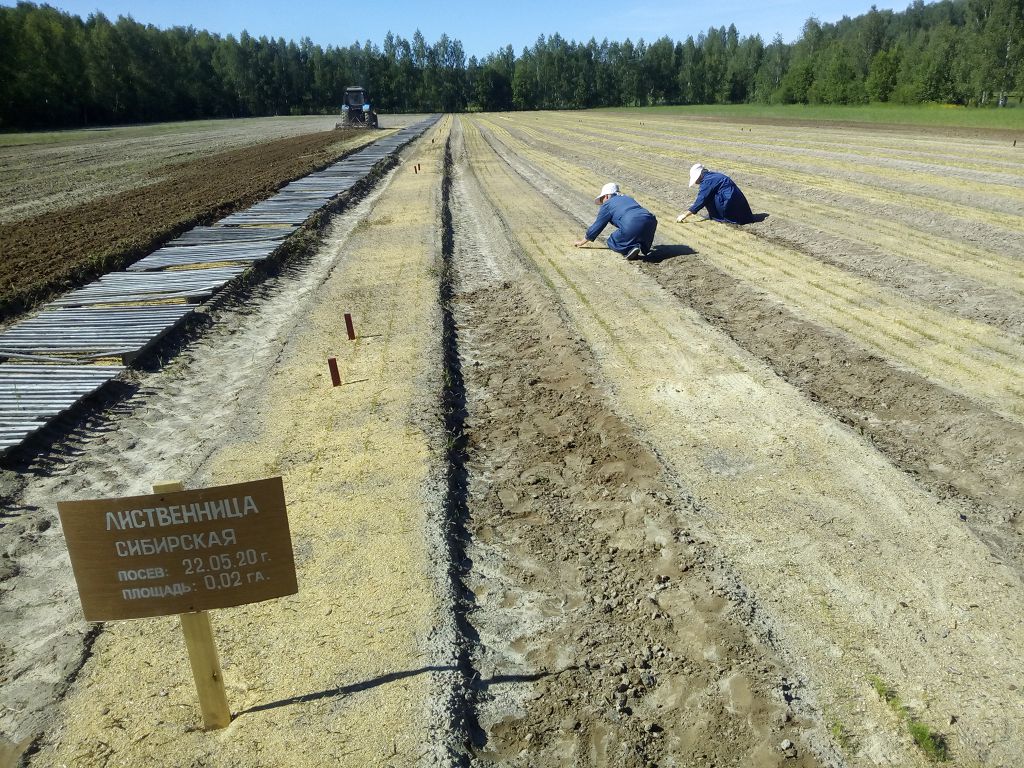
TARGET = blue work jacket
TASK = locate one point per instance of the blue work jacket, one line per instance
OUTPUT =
(623, 212)
(723, 199)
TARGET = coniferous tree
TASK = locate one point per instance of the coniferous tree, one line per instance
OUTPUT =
(59, 70)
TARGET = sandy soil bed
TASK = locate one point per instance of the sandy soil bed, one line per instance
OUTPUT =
(850, 555)
(895, 368)
(609, 632)
(569, 510)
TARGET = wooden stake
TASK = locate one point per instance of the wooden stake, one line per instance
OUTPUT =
(202, 655)
(332, 364)
(349, 327)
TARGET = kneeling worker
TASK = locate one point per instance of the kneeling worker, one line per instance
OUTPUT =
(720, 195)
(636, 225)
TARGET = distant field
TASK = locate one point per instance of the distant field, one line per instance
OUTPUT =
(58, 169)
(273, 125)
(936, 115)
(266, 126)
(51, 170)
(74, 204)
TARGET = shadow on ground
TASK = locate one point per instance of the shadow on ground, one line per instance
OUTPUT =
(391, 677)
(662, 253)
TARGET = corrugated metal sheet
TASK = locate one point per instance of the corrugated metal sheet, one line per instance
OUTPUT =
(224, 235)
(33, 395)
(210, 253)
(131, 287)
(93, 332)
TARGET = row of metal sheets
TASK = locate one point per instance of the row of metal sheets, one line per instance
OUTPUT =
(195, 256)
(33, 395)
(297, 201)
(216, 235)
(293, 203)
(93, 332)
(192, 285)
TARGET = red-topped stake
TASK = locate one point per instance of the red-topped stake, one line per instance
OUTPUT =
(349, 327)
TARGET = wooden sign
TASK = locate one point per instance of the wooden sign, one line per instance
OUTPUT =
(181, 551)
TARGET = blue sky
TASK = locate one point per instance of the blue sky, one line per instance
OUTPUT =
(482, 27)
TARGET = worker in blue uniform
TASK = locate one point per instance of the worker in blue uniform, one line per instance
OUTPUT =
(636, 225)
(720, 195)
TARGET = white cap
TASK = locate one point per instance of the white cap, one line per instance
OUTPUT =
(611, 188)
(695, 171)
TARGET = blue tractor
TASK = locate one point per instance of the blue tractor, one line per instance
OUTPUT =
(356, 111)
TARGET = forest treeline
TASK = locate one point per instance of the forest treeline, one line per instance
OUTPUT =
(59, 70)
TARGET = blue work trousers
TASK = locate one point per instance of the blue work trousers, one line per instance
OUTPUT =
(640, 233)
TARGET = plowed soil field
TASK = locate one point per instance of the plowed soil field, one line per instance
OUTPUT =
(47, 171)
(753, 500)
(77, 204)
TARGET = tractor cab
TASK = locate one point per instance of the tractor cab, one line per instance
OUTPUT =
(356, 110)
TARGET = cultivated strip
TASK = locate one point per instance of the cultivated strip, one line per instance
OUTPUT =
(609, 632)
(847, 553)
(968, 357)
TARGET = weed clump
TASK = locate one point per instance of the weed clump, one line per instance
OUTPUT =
(931, 742)
(842, 736)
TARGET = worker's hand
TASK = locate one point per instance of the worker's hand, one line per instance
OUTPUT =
(682, 217)
(580, 243)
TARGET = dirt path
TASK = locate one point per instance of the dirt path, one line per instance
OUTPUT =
(361, 472)
(848, 556)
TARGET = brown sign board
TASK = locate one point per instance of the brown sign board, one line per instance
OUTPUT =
(171, 553)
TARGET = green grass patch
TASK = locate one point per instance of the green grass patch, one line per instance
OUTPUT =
(935, 115)
(933, 744)
(842, 736)
(930, 742)
(885, 692)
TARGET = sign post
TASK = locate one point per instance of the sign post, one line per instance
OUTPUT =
(202, 656)
(183, 552)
